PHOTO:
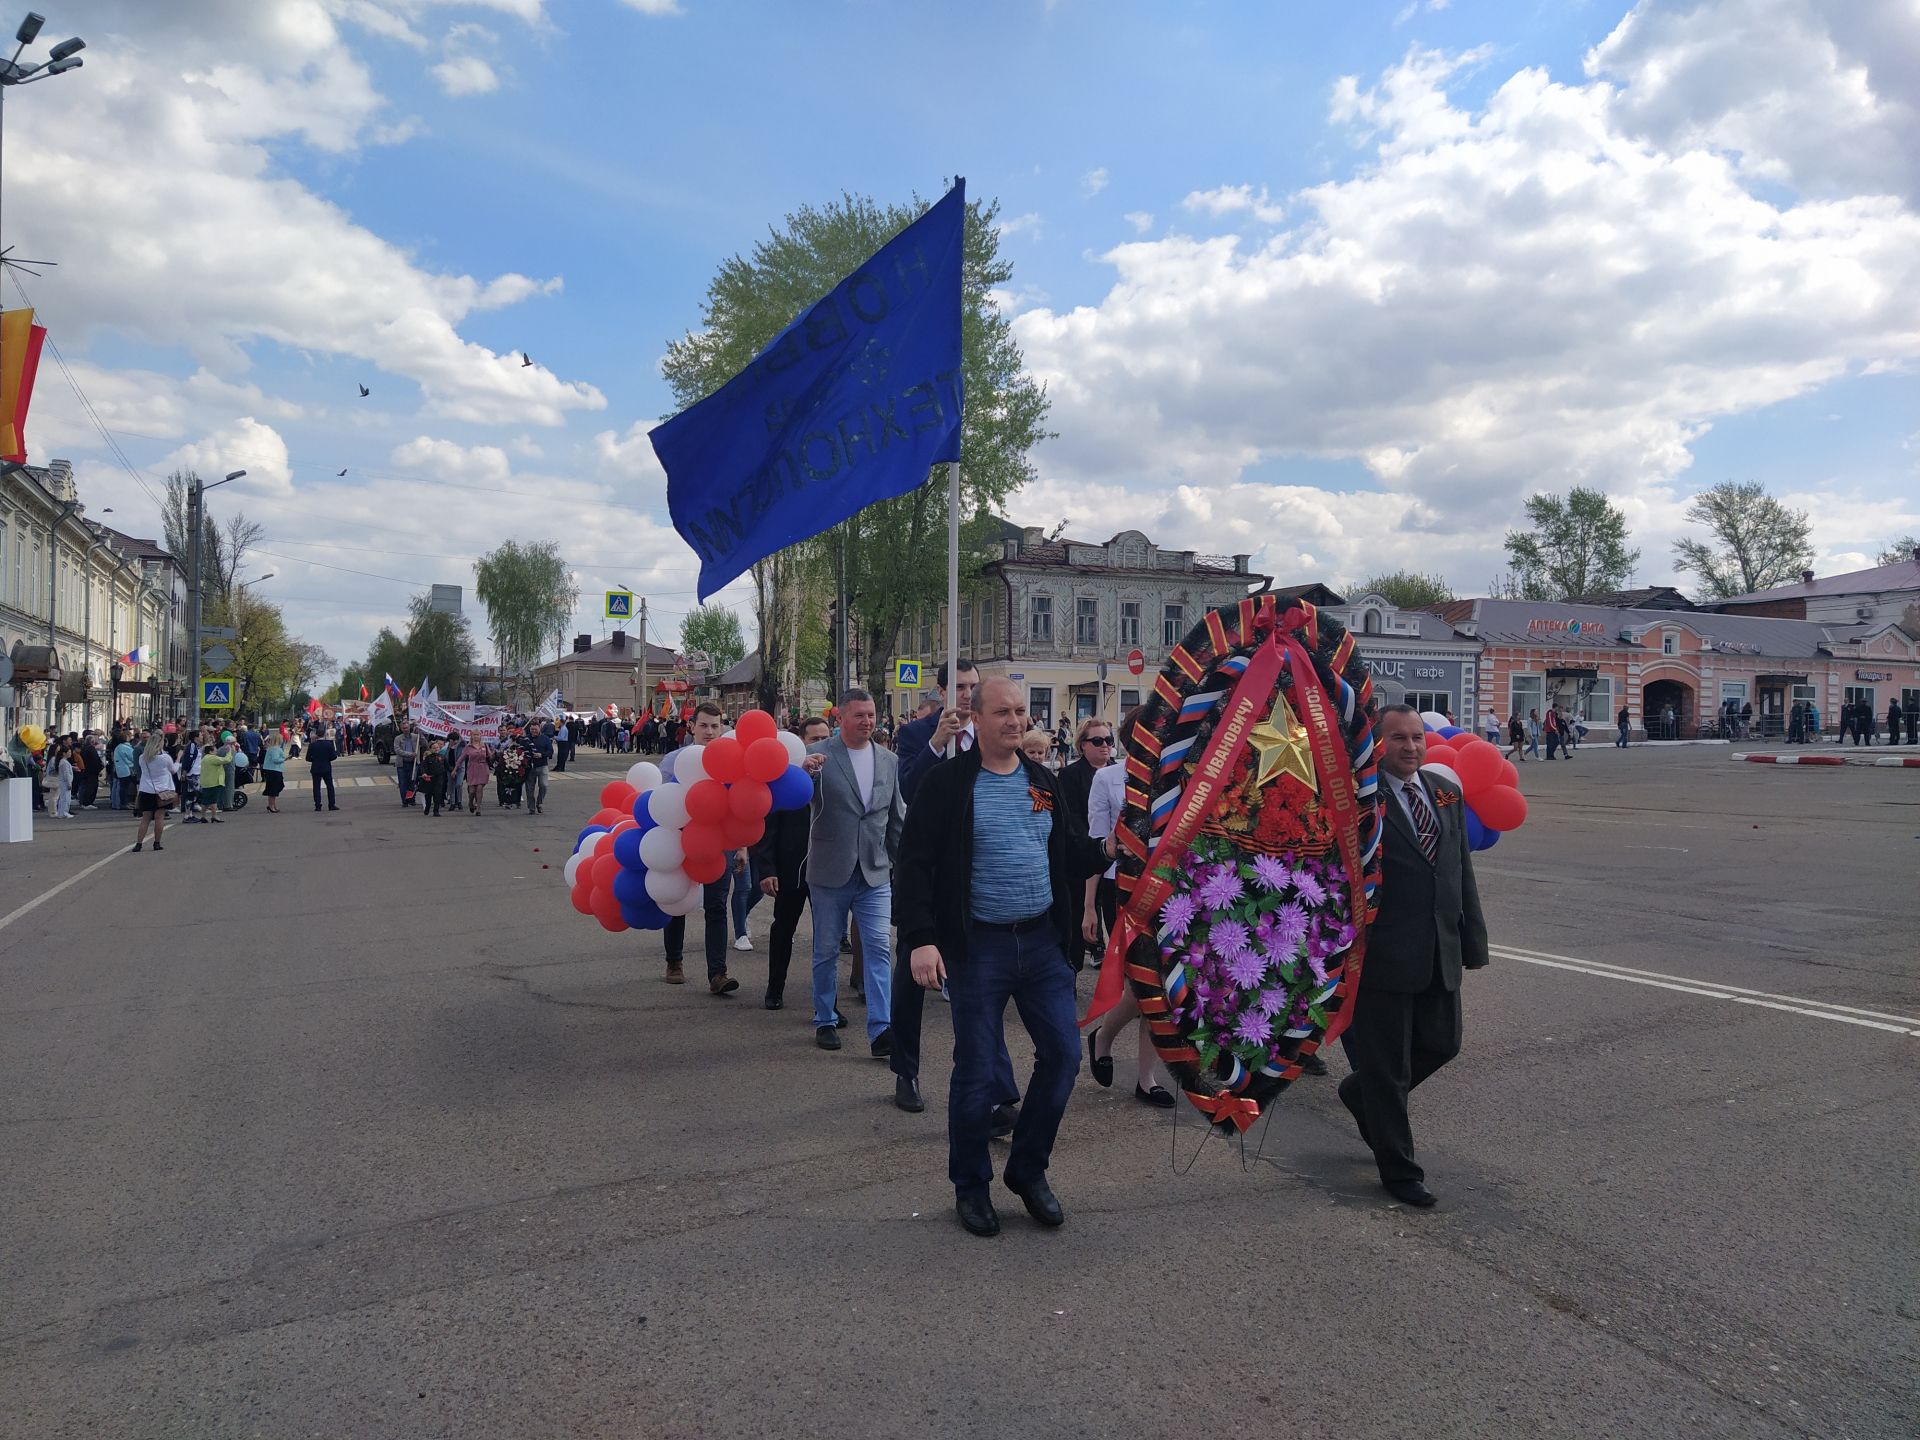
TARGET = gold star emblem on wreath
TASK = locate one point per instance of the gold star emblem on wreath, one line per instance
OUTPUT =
(1280, 742)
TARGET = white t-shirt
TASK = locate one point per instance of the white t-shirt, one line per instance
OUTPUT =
(1105, 801)
(863, 770)
(159, 774)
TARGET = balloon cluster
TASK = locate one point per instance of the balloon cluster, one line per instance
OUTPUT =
(1488, 781)
(644, 856)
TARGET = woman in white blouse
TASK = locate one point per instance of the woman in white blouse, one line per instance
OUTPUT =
(159, 776)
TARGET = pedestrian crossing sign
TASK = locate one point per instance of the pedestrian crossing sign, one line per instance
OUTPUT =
(619, 604)
(216, 694)
(906, 674)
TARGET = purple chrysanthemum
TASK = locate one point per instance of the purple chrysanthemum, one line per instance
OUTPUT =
(1289, 928)
(1177, 914)
(1246, 968)
(1272, 1000)
(1229, 938)
(1269, 872)
(1221, 888)
(1254, 1028)
(1308, 887)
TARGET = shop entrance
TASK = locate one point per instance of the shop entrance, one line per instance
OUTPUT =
(1667, 706)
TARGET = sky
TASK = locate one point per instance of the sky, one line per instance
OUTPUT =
(1335, 285)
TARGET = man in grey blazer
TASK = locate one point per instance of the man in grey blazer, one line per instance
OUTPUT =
(857, 813)
(1406, 1018)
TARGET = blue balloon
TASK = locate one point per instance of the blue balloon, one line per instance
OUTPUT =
(630, 887)
(1479, 837)
(642, 816)
(647, 916)
(793, 790)
(626, 849)
(590, 830)
(1449, 731)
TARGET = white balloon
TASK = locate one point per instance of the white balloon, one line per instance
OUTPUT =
(689, 765)
(591, 845)
(643, 775)
(1445, 772)
(796, 747)
(660, 849)
(667, 804)
(573, 865)
(1435, 719)
(667, 887)
(687, 903)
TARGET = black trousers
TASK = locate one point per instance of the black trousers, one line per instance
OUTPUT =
(787, 908)
(909, 1007)
(433, 794)
(714, 910)
(1393, 1043)
(324, 777)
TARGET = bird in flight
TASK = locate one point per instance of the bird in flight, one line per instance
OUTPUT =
(343, 472)
(364, 392)
(525, 360)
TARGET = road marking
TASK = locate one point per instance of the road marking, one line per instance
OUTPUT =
(1713, 990)
(41, 899)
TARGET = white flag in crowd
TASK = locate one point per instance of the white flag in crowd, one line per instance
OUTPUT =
(550, 707)
(380, 710)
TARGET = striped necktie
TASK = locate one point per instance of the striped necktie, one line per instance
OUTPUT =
(1423, 822)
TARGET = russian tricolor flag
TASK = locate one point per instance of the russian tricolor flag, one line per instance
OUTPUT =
(136, 656)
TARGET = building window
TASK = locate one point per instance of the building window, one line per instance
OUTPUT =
(1040, 619)
(1596, 701)
(1173, 625)
(989, 632)
(1040, 707)
(926, 637)
(1129, 622)
(966, 625)
(1669, 643)
(1370, 623)
(1438, 700)
(1734, 690)
(1128, 699)
(1525, 693)
(1086, 621)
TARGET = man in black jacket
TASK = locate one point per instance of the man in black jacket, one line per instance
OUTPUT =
(780, 868)
(989, 860)
(1406, 1018)
(321, 754)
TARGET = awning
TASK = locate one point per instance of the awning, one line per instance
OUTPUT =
(34, 663)
(672, 687)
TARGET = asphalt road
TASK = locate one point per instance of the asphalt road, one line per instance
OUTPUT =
(348, 1125)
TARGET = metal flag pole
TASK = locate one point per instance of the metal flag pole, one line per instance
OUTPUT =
(953, 589)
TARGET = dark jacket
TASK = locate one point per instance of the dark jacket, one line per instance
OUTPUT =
(1076, 784)
(933, 877)
(321, 754)
(916, 759)
(1429, 914)
(782, 851)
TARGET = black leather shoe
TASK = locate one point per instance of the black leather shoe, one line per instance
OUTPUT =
(1042, 1203)
(826, 1037)
(882, 1045)
(1313, 1065)
(1156, 1097)
(1101, 1069)
(839, 1021)
(1346, 1091)
(906, 1094)
(773, 1002)
(1412, 1192)
(1003, 1119)
(977, 1214)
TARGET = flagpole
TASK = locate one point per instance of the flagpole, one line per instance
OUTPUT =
(953, 586)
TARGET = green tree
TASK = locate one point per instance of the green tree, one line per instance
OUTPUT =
(1756, 542)
(439, 647)
(1577, 546)
(895, 548)
(716, 630)
(1904, 548)
(1409, 589)
(530, 595)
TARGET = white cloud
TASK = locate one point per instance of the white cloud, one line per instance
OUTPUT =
(1141, 220)
(244, 445)
(629, 455)
(1028, 223)
(466, 75)
(1231, 200)
(654, 7)
(1094, 181)
(446, 460)
(1505, 298)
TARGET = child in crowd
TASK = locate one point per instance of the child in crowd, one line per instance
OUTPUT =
(433, 785)
(63, 777)
(194, 747)
(1036, 744)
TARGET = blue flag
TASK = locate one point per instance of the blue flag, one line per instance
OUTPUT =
(853, 402)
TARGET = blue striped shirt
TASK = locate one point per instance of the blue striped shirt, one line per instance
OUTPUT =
(1011, 879)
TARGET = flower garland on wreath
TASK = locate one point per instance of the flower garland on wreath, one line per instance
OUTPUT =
(1249, 852)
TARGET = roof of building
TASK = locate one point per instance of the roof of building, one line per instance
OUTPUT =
(602, 652)
(745, 671)
(1900, 575)
(1647, 597)
(135, 546)
(1053, 551)
(1506, 622)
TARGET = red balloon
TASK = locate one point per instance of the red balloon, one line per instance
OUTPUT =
(1478, 765)
(755, 726)
(705, 869)
(606, 910)
(736, 833)
(605, 818)
(751, 799)
(1501, 807)
(702, 838)
(627, 824)
(1509, 774)
(604, 867)
(766, 760)
(617, 795)
(707, 801)
(582, 893)
(725, 759)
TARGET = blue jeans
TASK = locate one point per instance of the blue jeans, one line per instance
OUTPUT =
(1026, 965)
(117, 791)
(746, 895)
(403, 768)
(872, 906)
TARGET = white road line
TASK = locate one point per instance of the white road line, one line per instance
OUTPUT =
(41, 899)
(1707, 989)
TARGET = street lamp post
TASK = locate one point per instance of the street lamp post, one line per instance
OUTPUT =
(62, 58)
(195, 514)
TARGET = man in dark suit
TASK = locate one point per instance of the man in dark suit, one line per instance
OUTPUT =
(1406, 1018)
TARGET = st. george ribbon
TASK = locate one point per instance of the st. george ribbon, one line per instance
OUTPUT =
(854, 402)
